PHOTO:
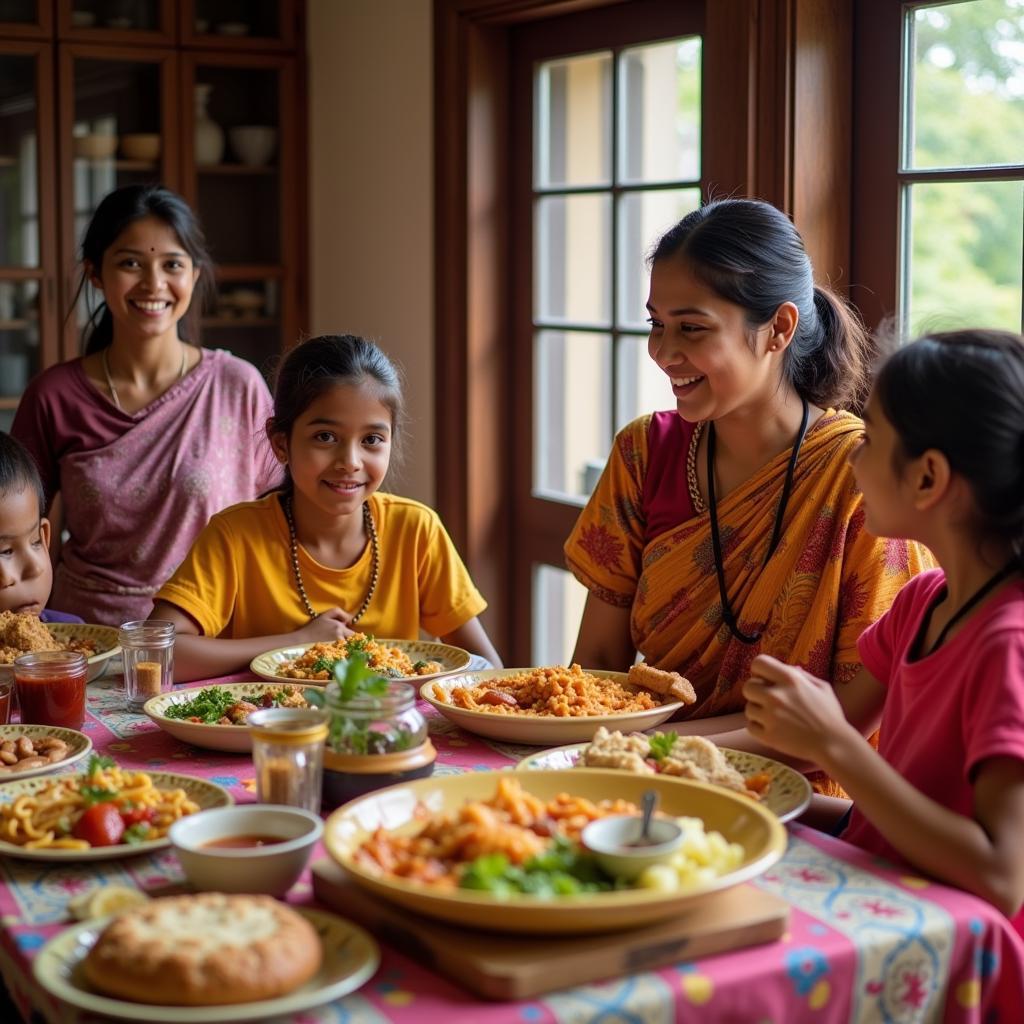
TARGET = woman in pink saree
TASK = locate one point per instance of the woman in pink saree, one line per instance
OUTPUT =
(147, 435)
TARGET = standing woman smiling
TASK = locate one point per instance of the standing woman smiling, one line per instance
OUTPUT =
(147, 435)
(731, 525)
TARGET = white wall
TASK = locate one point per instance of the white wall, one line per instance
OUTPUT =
(371, 194)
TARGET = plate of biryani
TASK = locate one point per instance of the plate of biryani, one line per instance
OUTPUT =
(21, 633)
(502, 851)
(101, 813)
(215, 717)
(557, 704)
(777, 787)
(413, 660)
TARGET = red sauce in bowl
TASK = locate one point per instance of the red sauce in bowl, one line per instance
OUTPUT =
(241, 842)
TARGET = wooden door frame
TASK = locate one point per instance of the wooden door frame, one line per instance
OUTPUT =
(781, 70)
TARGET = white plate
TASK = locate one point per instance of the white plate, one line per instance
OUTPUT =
(351, 958)
(104, 637)
(452, 659)
(535, 729)
(235, 739)
(205, 794)
(78, 746)
(788, 796)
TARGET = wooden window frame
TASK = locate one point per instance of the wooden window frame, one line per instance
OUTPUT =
(782, 72)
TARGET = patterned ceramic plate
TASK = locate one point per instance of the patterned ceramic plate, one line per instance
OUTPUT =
(350, 958)
(103, 637)
(788, 796)
(452, 659)
(205, 794)
(534, 729)
(78, 745)
(233, 738)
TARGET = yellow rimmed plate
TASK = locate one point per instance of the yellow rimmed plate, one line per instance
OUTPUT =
(199, 791)
(351, 958)
(78, 746)
(234, 739)
(452, 659)
(104, 637)
(788, 795)
(536, 729)
(402, 808)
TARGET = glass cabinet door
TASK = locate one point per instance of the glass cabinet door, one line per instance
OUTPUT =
(239, 24)
(117, 21)
(240, 171)
(117, 128)
(26, 18)
(27, 222)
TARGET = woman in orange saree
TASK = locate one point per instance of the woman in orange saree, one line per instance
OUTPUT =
(732, 526)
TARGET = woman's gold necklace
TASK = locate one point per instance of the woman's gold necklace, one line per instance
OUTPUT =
(371, 529)
(691, 470)
(110, 380)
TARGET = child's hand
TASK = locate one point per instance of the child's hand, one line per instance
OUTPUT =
(791, 710)
(329, 625)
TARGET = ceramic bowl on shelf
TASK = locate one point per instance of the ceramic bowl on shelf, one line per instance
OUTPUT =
(219, 853)
(233, 28)
(253, 143)
(95, 146)
(83, 19)
(140, 146)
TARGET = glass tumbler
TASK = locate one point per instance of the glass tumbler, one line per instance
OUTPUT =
(288, 755)
(51, 688)
(147, 652)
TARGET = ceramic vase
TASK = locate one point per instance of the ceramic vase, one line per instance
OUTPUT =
(209, 134)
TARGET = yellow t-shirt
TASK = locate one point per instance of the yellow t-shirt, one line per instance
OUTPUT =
(237, 580)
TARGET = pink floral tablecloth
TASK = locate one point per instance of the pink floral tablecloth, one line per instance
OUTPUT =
(866, 942)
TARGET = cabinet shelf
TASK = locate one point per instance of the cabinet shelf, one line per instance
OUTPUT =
(9, 403)
(118, 165)
(15, 325)
(235, 169)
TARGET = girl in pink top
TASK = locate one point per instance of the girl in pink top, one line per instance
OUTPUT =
(942, 462)
(146, 436)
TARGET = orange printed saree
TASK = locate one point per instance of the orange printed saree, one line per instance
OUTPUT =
(827, 580)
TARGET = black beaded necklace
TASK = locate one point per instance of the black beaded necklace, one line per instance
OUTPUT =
(973, 601)
(371, 529)
(728, 616)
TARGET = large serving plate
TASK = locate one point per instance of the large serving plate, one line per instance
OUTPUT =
(536, 729)
(401, 809)
(351, 958)
(205, 794)
(104, 637)
(235, 739)
(452, 659)
(788, 795)
(78, 746)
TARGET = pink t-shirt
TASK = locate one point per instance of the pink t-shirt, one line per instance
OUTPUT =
(947, 712)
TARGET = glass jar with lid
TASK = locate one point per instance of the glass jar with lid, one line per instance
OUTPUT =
(287, 753)
(374, 740)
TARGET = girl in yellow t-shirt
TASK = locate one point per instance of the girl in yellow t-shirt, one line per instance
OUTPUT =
(328, 554)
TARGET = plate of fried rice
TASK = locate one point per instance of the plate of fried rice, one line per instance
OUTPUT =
(412, 660)
(546, 706)
(21, 633)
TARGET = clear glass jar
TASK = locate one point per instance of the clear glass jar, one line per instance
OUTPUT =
(51, 688)
(147, 653)
(288, 755)
(384, 724)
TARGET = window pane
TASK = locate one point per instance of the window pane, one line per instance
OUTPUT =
(20, 11)
(19, 335)
(19, 204)
(572, 260)
(573, 122)
(643, 218)
(558, 600)
(659, 112)
(642, 386)
(967, 85)
(572, 427)
(118, 14)
(965, 255)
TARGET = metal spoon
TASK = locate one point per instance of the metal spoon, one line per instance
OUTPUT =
(649, 803)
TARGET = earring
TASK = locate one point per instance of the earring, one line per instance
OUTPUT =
(773, 348)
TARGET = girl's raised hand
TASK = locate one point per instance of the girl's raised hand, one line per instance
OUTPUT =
(791, 710)
(329, 625)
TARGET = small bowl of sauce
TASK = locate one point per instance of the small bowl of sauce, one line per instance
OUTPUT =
(256, 848)
(619, 847)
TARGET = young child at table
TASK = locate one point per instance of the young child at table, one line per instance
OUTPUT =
(26, 575)
(941, 462)
(328, 554)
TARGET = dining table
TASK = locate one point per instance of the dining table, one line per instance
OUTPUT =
(865, 941)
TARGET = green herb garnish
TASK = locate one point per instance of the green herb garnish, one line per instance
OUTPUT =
(208, 705)
(661, 744)
(561, 870)
(135, 834)
(323, 664)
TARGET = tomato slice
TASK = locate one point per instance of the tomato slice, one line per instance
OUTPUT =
(100, 825)
(134, 815)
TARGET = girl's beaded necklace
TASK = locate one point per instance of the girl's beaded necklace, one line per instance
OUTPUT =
(371, 529)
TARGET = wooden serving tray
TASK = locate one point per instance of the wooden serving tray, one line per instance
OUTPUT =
(507, 967)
